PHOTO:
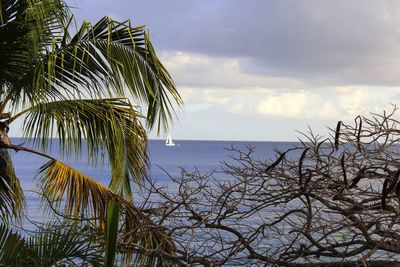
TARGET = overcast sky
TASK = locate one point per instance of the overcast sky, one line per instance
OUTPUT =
(262, 69)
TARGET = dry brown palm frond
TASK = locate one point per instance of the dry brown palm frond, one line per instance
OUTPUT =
(85, 196)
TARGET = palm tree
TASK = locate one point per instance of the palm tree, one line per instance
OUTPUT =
(54, 244)
(81, 88)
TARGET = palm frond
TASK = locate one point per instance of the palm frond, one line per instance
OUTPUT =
(49, 74)
(112, 233)
(85, 197)
(63, 245)
(11, 194)
(11, 245)
(26, 31)
(102, 60)
(107, 124)
(54, 245)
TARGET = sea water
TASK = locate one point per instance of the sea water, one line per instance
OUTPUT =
(164, 161)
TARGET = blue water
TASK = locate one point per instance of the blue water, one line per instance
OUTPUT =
(202, 155)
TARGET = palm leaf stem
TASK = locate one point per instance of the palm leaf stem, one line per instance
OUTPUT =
(26, 149)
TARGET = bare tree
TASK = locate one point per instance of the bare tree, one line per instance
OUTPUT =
(327, 200)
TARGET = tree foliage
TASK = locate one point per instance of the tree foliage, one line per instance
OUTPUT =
(54, 244)
(80, 88)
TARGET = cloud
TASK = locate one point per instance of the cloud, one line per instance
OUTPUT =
(269, 114)
(273, 104)
(200, 71)
(219, 86)
(270, 66)
(286, 106)
(324, 42)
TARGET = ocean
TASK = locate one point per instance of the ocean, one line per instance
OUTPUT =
(166, 161)
(201, 155)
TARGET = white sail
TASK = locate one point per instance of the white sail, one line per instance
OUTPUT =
(169, 141)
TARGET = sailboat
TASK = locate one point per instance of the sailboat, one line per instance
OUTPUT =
(169, 141)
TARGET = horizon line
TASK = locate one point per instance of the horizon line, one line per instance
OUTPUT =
(201, 140)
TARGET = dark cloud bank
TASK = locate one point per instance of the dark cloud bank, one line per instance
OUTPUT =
(340, 42)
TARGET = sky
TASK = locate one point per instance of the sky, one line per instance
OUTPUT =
(265, 70)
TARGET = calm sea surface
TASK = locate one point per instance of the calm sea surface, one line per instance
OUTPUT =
(203, 155)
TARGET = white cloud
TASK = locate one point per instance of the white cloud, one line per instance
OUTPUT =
(289, 105)
(215, 97)
(326, 104)
(199, 71)
(271, 64)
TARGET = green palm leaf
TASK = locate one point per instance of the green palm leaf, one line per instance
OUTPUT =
(11, 245)
(11, 195)
(26, 31)
(63, 245)
(102, 60)
(110, 124)
(112, 233)
(54, 245)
